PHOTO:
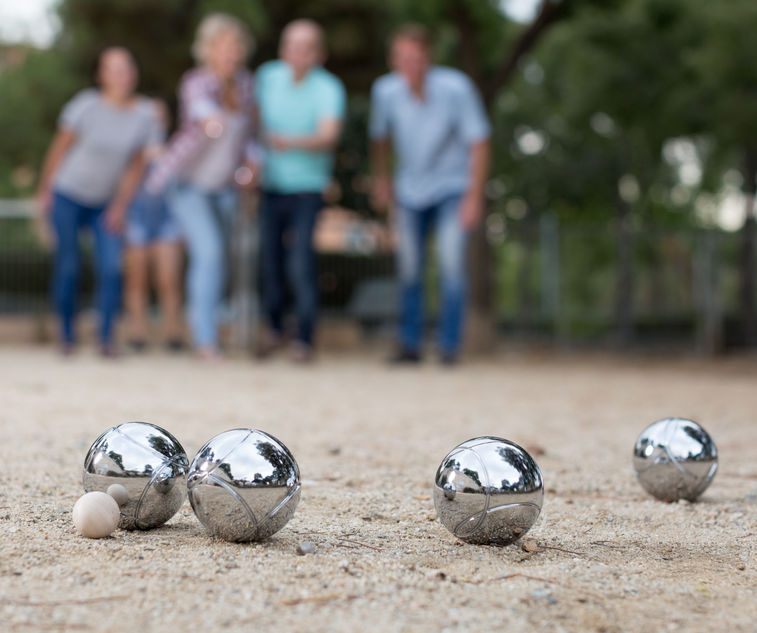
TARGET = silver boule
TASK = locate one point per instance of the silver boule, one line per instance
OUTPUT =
(244, 485)
(149, 463)
(488, 491)
(674, 459)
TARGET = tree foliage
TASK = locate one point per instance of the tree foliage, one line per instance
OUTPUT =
(589, 108)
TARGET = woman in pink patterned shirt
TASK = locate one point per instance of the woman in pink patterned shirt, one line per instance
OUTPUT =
(210, 157)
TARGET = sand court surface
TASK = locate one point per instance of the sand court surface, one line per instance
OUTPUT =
(603, 555)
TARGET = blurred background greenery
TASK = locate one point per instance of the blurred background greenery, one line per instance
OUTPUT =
(625, 141)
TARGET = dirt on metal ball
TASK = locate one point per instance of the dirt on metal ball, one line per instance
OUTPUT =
(488, 491)
(149, 468)
(675, 459)
(244, 485)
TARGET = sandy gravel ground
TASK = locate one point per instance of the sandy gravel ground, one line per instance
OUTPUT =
(368, 440)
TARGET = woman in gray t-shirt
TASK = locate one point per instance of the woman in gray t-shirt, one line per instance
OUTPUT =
(91, 172)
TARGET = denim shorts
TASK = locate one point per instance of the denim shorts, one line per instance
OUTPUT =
(149, 221)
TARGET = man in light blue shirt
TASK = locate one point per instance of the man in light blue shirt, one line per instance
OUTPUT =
(433, 119)
(301, 110)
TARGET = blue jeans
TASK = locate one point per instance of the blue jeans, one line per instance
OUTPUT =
(413, 228)
(287, 222)
(68, 217)
(204, 219)
(149, 221)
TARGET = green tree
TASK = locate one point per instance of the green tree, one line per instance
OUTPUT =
(585, 100)
(31, 98)
(725, 98)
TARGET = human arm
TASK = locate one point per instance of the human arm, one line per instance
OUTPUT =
(195, 106)
(71, 124)
(158, 131)
(324, 139)
(59, 146)
(476, 132)
(248, 174)
(330, 106)
(472, 204)
(382, 195)
(115, 214)
(199, 99)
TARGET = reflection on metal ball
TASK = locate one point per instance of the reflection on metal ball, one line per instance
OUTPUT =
(675, 459)
(488, 491)
(244, 485)
(151, 466)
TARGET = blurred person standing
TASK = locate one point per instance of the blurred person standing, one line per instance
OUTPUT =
(153, 245)
(301, 111)
(209, 158)
(433, 120)
(91, 171)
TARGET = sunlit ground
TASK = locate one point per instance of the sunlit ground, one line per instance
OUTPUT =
(368, 439)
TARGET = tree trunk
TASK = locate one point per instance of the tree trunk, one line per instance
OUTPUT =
(705, 285)
(244, 275)
(481, 329)
(550, 11)
(624, 297)
(748, 311)
(549, 257)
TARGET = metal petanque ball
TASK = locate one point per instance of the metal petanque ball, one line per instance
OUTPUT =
(675, 459)
(244, 485)
(149, 463)
(488, 491)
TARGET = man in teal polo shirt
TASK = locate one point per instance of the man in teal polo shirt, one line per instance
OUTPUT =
(301, 110)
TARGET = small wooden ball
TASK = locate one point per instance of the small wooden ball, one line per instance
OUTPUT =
(96, 515)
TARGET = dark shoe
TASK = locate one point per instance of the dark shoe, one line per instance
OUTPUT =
(175, 345)
(405, 356)
(268, 345)
(449, 359)
(302, 352)
(67, 349)
(138, 345)
(108, 351)
(210, 355)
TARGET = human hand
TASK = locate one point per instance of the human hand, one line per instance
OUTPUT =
(279, 143)
(212, 127)
(44, 203)
(382, 195)
(115, 218)
(247, 176)
(471, 210)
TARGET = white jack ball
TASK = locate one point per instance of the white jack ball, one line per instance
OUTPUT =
(96, 515)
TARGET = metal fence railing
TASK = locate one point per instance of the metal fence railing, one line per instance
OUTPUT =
(551, 281)
(564, 281)
(24, 264)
